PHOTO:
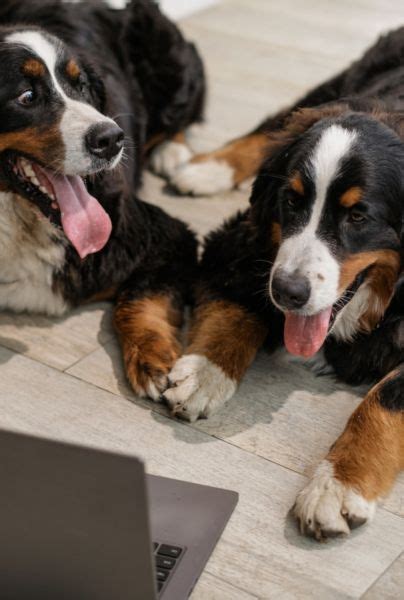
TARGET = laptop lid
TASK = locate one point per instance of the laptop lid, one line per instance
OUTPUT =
(73, 523)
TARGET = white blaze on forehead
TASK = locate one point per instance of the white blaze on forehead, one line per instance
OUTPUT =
(78, 116)
(43, 48)
(306, 252)
(334, 144)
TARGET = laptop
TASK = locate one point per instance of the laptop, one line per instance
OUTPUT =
(79, 523)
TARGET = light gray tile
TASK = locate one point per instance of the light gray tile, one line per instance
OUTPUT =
(57, 342)
(260, 550)
(390, 586)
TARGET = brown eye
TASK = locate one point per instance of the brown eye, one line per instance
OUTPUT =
(293, 199)
(26, 98)
(355, 216)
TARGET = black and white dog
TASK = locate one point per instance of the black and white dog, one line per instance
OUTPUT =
(85, 92)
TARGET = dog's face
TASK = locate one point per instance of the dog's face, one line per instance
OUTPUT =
(336, 220)
(52, 135)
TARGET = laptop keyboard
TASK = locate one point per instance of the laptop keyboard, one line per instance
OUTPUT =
(166, 559)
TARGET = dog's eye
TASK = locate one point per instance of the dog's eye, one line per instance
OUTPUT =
(293, 199)
(355, 216)
(26, 98)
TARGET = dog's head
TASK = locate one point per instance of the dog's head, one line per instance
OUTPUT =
(330, 195)
(52, 134)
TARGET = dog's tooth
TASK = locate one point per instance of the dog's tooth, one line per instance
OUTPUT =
(34, 180)
(42, 189)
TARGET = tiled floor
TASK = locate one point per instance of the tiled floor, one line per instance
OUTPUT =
(64, 377)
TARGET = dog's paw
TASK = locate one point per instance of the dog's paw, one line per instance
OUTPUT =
(327, 508)
(197, 387)
(167, 157)
(148, 365)
(203, 178)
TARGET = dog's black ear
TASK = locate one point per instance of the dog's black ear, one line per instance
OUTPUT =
(280, 147)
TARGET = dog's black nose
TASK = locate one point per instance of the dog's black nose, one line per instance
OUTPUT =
(105, 140)
(290, 291)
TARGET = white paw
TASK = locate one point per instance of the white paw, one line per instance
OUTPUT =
(203, 178)
(197, 387)
(168, 156)
(327, 508)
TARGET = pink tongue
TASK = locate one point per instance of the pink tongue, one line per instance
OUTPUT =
(84, 221)
(304, 336)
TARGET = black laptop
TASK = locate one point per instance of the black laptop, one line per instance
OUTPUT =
(79, 523)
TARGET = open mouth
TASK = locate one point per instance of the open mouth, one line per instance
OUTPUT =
(304, 335)
(62, 199)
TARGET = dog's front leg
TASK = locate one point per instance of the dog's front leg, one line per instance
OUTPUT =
(223, 341)
(148, 329)
(360, 467)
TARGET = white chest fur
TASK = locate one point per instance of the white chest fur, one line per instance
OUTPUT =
(29, 257)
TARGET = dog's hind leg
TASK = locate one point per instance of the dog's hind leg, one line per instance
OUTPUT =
(360, 467)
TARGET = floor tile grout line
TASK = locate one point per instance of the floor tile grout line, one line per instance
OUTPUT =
(236, 587)
(382, 574)
(180, 422)
(190, 426)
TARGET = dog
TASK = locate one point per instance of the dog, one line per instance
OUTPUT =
(86, 92)
(314, 263)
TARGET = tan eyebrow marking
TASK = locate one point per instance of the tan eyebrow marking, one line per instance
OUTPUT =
(33, 68)
(72, 69)
(296, 184)
(351, 196)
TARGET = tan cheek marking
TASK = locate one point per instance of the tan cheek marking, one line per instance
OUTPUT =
(355, 263)
(296, 184)
(41, 144)
(351, 197)
(33, 68)
(72, 69)
(385, 267)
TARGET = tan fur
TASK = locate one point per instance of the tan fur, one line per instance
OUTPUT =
(227, 335)
(73, 70)
(44, 144)
(351, 197)
(244, 155)
(276, 233)
(33, 68)
(148, 330)
(385, 265)
(296, 184)
(370, 453)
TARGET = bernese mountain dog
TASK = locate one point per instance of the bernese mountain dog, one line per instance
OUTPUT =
(85, 92)
(314, 263)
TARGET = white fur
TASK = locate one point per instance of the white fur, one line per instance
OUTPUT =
(347, 321)
(78, 116)
(199, 387)
(306, 253)
(168, 156)
(325, 505)
(29, 258)
(203, 178)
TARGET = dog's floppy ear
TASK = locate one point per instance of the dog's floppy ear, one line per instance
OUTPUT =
(273, 171)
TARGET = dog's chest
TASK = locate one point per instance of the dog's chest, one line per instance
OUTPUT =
(30, 255)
